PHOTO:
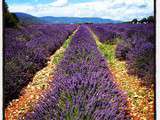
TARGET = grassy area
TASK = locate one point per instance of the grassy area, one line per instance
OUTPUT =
(140, 99)
(60, 53)
(108, 50)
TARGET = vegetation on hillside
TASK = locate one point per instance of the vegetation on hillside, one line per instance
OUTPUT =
(10, 19)
(149, 19)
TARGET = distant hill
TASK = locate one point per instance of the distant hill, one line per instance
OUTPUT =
(26, 18)
(29, 19)
(76, 20)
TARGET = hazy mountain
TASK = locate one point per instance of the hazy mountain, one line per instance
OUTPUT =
(29, 19)
(26, 18)
(50, 19)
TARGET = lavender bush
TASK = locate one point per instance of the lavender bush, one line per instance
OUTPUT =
(138, 50)
(121, 50)
(140, 61)
(105, 34)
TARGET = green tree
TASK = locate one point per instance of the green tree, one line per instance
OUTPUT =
(134, 21)
(10, 20)
(5, 7)
(144, 20)
(15, 16)
(150, 19)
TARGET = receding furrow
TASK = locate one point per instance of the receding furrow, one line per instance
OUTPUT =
(82, 87)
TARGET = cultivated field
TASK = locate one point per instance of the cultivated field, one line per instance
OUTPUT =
(79, 72)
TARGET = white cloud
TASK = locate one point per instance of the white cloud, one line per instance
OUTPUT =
(114, 9)
(59, 3)
(21, 8)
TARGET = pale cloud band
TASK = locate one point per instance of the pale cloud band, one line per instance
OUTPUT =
(113, 9)
(59, 3)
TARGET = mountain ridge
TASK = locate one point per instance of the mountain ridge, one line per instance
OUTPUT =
(27, 18)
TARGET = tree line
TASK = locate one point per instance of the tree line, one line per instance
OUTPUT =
(149, 19)
(9, 19)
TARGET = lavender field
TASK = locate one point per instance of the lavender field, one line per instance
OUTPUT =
(79, 60)
(92, 72)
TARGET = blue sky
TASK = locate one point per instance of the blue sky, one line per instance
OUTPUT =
(112, 9)
(42, 1)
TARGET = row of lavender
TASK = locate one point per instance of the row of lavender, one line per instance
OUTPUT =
(26, 51)
(137, 47)
(83, 87)
(108, 32)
